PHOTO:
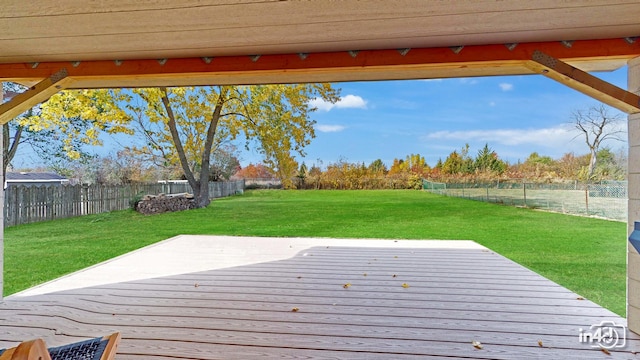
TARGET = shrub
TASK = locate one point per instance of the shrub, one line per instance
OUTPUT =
(133, 203)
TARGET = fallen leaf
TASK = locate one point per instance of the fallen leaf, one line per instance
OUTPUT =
(476, 344)
(295, 309)
(604, 350)
(395, 257)
(365, 274)
(299, 277)
(579, 298)
(405, 285)
(196, 285)
(347, 285)
(394, 275)
(540, 343)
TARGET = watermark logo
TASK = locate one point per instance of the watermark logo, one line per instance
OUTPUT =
(606, 335)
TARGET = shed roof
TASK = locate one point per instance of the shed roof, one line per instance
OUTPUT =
(33, 176)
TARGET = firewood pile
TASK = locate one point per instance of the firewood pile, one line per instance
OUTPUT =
(156, 204)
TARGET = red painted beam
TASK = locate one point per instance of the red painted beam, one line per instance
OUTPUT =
(487, 56)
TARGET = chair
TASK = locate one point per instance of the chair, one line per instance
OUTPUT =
(102, 348)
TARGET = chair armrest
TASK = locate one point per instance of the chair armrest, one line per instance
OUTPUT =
(31, 350)
(112, 346)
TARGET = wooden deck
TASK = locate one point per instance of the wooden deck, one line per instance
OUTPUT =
(328, 303)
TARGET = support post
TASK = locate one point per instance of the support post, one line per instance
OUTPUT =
(633, 258)
(2, 154)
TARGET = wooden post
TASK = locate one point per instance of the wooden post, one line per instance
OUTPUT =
(586, 197)
(633, 258)
(85, 199)
(1, 206)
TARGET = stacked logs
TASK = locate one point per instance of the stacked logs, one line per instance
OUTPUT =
(156, 204)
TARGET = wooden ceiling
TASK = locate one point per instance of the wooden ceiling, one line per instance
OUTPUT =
(77, 30)
(118, 43)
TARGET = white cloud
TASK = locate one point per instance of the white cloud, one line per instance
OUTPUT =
(352, 101)
(506, 86)
(548, 137)
(320, 104)
(346, 102)
(330, 128)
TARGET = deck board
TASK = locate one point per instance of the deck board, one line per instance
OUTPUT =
(455, 296)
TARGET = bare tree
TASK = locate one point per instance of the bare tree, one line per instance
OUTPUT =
(597, 124)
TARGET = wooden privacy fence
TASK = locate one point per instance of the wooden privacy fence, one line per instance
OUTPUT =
(28, 204)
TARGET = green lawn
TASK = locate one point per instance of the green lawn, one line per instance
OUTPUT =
(584, 255)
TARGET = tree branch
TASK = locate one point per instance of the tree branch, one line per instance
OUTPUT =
(247, 114)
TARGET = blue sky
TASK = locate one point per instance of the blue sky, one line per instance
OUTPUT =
(515, 115)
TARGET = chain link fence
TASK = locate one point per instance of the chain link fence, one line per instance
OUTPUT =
(606, 200)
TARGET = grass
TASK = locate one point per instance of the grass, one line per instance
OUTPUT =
(585, 255)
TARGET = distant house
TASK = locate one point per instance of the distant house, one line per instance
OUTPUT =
(34, 179)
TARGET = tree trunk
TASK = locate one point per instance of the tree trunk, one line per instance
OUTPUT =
(9, 148)
(5, 148)
(173, 129)
(592, 164)
(200, 186)
(202, 194)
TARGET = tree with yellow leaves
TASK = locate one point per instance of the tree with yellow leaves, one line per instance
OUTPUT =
(62, 127)
(185, 125)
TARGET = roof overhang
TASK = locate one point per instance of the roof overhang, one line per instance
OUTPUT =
(79, 30)
(115, 44)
